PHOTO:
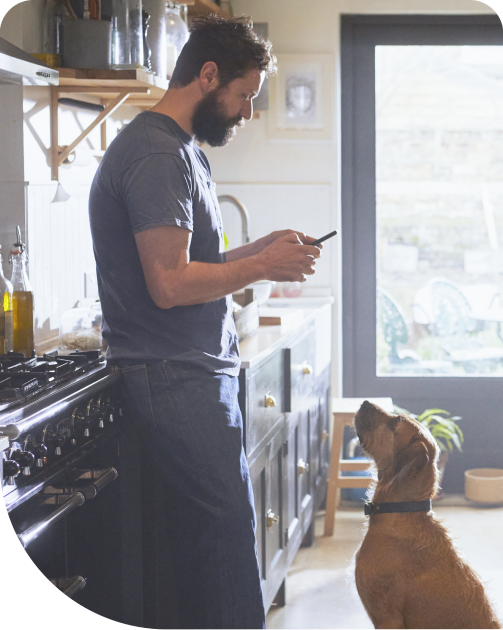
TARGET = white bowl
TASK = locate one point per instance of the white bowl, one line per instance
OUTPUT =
(262, 290)
(484, 485)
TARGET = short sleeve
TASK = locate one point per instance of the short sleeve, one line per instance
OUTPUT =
(157, 191)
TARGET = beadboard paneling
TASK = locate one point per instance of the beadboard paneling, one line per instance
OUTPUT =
(60, 250)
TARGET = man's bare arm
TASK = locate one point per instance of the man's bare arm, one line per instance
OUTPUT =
(174, 280)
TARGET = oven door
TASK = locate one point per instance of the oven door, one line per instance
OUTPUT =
(69, 530)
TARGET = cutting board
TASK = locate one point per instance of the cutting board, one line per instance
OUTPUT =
(270, 316)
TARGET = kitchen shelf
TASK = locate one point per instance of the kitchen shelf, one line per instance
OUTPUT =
(120, 79)
(113, 87)
(205, 7)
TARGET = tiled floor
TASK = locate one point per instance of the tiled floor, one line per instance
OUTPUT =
(319, 588)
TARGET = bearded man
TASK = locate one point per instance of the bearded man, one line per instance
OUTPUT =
(165, 284)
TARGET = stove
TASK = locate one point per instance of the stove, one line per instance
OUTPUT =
(22, 378)
(61, 424)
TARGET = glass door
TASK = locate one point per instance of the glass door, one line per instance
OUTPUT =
(422, 205)
(439, 210)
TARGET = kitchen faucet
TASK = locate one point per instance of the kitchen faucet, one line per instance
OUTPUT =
(245, 217)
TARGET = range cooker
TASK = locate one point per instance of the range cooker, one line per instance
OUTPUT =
(62, 419)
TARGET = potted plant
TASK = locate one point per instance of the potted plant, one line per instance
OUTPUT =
(444, 429)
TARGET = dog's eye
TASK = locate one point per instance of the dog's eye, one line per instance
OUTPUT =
(392, 423)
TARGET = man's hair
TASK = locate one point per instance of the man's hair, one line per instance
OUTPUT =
(231, 44)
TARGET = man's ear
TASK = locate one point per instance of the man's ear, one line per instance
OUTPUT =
(209, 76)
(410, 461)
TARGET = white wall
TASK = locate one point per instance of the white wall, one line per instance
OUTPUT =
(253, 161)
(279, 181)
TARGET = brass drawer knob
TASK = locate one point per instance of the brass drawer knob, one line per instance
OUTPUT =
(302, 466)
(306, 368)
(324, 436)
(271, 519)
(270, 401)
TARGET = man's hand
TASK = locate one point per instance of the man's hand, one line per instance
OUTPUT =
(289, 257)
(273, 236)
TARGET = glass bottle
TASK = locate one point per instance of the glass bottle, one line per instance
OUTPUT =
(6, 330)
(22, 300)
(127, 35)
(177, 34)
(55, 13)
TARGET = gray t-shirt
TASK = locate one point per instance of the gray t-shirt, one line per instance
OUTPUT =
(152, 175)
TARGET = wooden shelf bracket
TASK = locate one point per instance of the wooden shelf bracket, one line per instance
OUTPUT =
(58, 156)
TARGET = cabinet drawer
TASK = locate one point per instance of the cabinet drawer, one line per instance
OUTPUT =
(265, 401)
(302, 368)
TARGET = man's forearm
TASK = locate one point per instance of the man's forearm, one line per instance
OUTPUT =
(199, 282)
(245, 251)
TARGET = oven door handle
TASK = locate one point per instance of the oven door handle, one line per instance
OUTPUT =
(33, 532)
(92, 489)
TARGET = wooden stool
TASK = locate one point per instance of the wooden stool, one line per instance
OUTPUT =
(344, 410)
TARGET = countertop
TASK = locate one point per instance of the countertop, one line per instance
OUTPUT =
(267, 339)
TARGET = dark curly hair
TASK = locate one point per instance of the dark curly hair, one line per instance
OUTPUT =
(231, 44)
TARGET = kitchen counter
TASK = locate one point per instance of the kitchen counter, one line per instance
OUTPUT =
(267, 339)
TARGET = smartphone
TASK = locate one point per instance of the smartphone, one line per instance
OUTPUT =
(324, 238)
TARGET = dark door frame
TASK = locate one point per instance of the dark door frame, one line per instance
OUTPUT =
(359, 36)
(477, 399)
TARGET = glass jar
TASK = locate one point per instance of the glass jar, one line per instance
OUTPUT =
(156, 36)
(177, 34)
(127, 35)
(80, 328)
(6, 327)
(55, 13)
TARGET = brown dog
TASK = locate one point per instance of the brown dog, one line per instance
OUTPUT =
(408, 574)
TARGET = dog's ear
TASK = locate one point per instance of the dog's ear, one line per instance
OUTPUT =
(410, 461)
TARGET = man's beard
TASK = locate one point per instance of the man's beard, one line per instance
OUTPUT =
(210, 124)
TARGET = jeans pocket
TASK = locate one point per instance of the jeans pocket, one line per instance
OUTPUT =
(137, 393)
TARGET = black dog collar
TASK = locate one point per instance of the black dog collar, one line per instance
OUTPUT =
(401, 506)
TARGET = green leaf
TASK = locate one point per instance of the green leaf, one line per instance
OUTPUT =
(457, 442)
(430, 412)
(442, 446)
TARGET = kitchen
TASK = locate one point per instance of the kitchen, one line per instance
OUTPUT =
(277, 178)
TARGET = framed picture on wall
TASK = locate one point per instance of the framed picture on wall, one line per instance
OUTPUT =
(301, 98)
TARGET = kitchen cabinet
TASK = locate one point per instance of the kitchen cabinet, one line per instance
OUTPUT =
(284, 398)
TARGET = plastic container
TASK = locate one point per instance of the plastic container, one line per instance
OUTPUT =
(484, 485)
(80, 329)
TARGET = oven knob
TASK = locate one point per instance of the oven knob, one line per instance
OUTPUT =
(40, 452)
(88, 422)
(25, 460)
(56, 441)
(10, 470)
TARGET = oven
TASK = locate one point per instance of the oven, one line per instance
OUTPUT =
(72, 502)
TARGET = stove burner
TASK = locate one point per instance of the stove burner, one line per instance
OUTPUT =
(23, 377)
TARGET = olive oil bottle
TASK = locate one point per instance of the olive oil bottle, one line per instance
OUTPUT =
(6, 331)
(22, 300)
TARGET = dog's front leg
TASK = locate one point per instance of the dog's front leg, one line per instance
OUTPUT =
(390, 623)
(387, 619)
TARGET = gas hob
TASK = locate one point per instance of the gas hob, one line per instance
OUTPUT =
(24, 378)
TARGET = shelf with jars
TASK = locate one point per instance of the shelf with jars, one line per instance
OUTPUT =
(140, 69)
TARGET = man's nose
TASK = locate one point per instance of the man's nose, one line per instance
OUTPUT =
(247, 110)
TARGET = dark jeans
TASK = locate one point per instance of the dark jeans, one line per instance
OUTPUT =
(192, 422)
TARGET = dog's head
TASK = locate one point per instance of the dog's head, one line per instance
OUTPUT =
(404, 452)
